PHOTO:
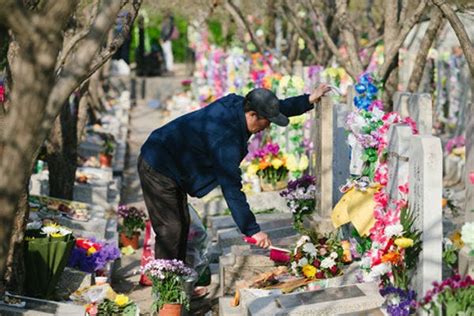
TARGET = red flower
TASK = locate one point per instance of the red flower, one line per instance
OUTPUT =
(334, 269)
(316, 263)
(320, 275)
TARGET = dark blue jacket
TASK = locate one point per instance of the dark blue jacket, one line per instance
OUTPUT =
(204, 148)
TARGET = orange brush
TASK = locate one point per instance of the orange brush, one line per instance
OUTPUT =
(276, 254)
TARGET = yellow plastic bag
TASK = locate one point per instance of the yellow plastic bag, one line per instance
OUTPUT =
(356, 207)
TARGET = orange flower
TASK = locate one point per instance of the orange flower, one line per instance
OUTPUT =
(262, 165)
(392, 257)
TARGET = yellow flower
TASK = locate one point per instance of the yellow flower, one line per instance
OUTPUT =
(291, 163)
(404, 242)
(295, 120)
(309, 271)
(56, 235)
(456, 239)
(303, 164)
(91, 250)
(277, 163)
(252, 169)
(121, 300)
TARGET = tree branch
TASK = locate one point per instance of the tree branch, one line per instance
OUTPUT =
(239, 18)
(71, 76)
(391, 53)
(290, 16)
(426, 43)
(330, 43)
(460, 31)
(348, 32)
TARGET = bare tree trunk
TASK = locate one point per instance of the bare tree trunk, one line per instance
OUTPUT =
(420, 61)
(15, 272)
(61, 153)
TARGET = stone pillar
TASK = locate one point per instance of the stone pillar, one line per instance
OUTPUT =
(323, 145)
(351, 93)
(398, 152)
(421, 111)
(425, 193)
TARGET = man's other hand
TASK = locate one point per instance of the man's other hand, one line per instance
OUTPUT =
(262, 240)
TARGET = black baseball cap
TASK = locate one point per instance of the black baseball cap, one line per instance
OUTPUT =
(267, 105)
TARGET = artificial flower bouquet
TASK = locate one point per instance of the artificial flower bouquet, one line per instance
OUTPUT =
(453, 296)
(269, 163)
(300, 198)
(400, 302)
(47, 249)
(168, 278)
(91, 255)
(317, 258)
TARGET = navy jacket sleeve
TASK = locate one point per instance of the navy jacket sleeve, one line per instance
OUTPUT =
(226, 155)
(295, 105)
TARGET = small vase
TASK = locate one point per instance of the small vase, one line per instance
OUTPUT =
(269, 186)
(171, 310)
(133, 241)
(105, 160)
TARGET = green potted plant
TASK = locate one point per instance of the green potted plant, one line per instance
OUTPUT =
(168, 278)
(107, 153)
(132, 222)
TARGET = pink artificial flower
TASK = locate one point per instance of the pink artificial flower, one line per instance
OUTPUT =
(403, 188)
(376, 104)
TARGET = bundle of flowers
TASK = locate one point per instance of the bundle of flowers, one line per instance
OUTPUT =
(168, 278)
(300, 198)
(456, 146)
(269, 163)
(90, 255)
(450, 297)
(398, 301)
(317, 258)
(368, 128)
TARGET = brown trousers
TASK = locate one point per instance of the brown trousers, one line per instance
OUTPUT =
(168, 210)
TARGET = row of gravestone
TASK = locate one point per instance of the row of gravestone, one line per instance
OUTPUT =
(101, 193)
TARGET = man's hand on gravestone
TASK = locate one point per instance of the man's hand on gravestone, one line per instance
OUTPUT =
(262, 240)
(318, 93)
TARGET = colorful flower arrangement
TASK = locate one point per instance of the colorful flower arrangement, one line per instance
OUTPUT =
(90, 255)
(317, 258)
(168, 277)
(300, 198)
(133, 219)
(450, 297)
(269, 163)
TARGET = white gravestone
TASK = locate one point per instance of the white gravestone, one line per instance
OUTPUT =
(420, 110)
(425, 195)
(341, 151)
(398, 152)
(400, 103)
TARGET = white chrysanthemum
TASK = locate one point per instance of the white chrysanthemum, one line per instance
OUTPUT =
(303, 262)
(303, 239)
(64, 231)
(467, 233)
(333, 255)
(48, 230)
(327, 263)
(309, 248)
(393, 230)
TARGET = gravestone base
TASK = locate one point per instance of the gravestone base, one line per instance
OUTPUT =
(72, 280)
(321, 225)
(242, 263)
(357, 298)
